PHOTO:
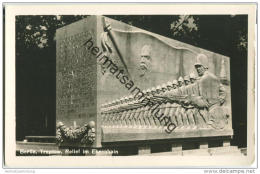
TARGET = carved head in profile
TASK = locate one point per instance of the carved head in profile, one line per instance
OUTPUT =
(145, 60)
(201, 64)
(192, 78)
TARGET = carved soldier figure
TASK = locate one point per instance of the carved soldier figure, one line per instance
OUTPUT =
(135, 110)
(136, 117)
(164, 88)
(158, 89)
(104, 114)
(211, 95)
(187, 108)
(130, 110)
(144, 111)
(174, 84)
(121, 111)
(189, 84)
(180, 112)
(124, 110)
(153, 93)
(146, 115)
(162, 107)
(192, 90)
(174, 105)
(149, 115)
(118, 114)
(170, 107)
(180, 82)
(186, 80)
(169, 86)
(114, 113)
(110, 115)
(152, 119)
(158, 92)
(192, 78)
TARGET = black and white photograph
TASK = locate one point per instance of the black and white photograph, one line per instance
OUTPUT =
(130, 84)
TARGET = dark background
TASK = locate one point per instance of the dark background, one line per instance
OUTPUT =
(36, 52)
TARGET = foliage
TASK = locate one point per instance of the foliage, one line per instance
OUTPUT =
(218, 33)
(38, 32)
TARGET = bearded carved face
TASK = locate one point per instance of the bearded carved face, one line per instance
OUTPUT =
(145, 61)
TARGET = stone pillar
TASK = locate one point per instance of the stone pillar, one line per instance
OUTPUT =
(76, 79)
(177, 148)
(226, 143)
(204, 145)
(142, 150)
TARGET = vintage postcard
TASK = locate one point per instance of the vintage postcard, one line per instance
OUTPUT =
(130, 85)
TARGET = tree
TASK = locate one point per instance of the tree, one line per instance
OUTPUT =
(36, 73)
(217, 33)
(213, 32)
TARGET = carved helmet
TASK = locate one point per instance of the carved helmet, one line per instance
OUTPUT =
(158, 88)
(169, 84)
(180, 79)
(186, 78)
(164, 86)
(118, 101)
(148, 91)
(126, 98)
(110, 104)
(201, 60)
(192, 76)
(153, 89)
(114, 102)
(130, 97)
(175, 82)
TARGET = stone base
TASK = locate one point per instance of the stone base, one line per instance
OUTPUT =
(142, 150)
(130, 134)
(218, 151)
(177, 148)
(37, 148)
(228, 150)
